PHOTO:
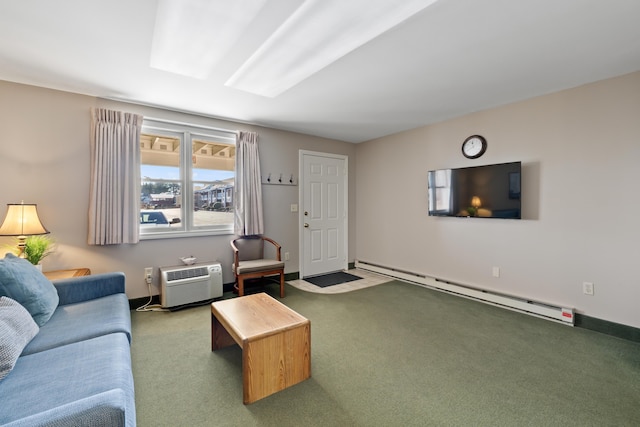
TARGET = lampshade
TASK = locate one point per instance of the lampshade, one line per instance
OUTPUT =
(22, 220)
(475, 202)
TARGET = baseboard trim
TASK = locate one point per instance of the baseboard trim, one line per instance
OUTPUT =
(606, 327)
(291, 276)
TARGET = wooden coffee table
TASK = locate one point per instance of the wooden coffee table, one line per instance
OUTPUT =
(275, 342)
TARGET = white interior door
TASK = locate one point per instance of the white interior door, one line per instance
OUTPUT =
(323, 213)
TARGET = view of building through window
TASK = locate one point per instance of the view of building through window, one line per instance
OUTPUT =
(187, 181)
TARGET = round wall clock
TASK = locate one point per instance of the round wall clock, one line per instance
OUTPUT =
(474, 146)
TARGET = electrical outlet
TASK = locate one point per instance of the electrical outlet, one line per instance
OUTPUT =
(496, 271)
(148, 273)
(587, 288)
(286, 256)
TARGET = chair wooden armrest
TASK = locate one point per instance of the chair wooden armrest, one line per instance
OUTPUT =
(274, 243)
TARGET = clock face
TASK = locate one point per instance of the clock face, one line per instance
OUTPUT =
(474, 146)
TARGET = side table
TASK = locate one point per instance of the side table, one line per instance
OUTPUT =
(66, 274)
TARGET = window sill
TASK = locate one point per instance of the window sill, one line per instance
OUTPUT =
(182, 234)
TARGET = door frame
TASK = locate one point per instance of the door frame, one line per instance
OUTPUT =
(301, 194)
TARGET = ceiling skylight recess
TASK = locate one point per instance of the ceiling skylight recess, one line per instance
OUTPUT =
(317, 34)
(192, 36)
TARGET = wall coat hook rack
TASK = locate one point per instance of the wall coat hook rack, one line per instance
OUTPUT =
(279, 179)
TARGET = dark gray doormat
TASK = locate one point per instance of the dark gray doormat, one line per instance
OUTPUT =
(331, 279)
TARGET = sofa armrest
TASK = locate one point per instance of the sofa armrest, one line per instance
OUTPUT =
(105, 409)
(84, 288)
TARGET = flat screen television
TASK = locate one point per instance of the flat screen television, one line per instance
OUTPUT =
(489, 191)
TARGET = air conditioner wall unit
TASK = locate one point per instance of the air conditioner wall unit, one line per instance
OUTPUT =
(190, 283)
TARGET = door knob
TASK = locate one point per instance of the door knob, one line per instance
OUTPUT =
(306, 225)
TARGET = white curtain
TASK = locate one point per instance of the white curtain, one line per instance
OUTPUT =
(248, 188)
(114, 203)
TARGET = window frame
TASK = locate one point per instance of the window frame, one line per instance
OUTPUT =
(186, 133)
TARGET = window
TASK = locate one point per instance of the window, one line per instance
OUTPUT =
(187, 177)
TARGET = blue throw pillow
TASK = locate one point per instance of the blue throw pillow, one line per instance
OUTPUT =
(23, 282)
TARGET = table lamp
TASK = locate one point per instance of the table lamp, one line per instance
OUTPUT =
(22, 221)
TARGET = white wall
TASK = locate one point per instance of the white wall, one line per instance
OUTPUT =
(44, 142)
(580, 150)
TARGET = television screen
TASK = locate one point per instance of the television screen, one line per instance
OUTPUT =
(490, 191)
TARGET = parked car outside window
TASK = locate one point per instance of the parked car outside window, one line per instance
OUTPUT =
(155, 219)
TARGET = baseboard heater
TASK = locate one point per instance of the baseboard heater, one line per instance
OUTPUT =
(557, 314)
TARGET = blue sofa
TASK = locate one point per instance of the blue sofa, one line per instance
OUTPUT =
(76, 371)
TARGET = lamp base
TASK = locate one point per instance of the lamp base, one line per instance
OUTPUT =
(21, 246)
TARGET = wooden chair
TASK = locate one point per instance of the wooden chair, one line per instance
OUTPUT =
(249, 261)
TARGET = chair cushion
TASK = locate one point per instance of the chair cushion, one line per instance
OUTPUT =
(23, 282)
(17, 328)
(256, 265)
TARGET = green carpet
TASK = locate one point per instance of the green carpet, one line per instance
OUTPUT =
(393, 355)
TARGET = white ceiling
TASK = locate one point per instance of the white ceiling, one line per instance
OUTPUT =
(453, 58)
